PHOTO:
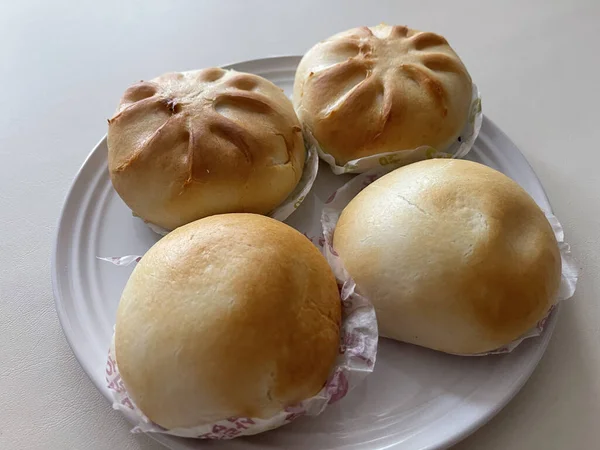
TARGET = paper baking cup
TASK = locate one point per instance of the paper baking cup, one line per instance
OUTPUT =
(355, 360)
(292, 202)
(392, 160)
(340, 198)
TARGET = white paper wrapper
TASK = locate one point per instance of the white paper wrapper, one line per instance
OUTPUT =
(393, 160)
(292, 202)
(340, 198)
(356, 359)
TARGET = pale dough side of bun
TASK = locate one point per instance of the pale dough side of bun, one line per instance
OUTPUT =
(372, 90)
(454, 255)
(232, 315)
(189, 145)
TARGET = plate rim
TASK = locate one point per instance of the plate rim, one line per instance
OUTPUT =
(450, 439)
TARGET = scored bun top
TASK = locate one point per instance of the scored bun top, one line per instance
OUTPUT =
(454, 255)
(234, 315)
(373, 90)
(188, 145)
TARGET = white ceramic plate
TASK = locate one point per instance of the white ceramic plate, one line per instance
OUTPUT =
(415, 399)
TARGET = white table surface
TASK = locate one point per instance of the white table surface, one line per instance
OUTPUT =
(64, 65)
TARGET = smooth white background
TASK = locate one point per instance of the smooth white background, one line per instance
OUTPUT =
(63, 66)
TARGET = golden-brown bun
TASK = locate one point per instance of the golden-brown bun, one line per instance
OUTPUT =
(232, 315)
(188, 145)
(372, 90)
(454, 255)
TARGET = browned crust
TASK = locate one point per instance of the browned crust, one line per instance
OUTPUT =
(440, 62)
(135, 156)
(481, 265)
(430, 83)
(399, 31)
(218, 320)
(427, 39)
(425, 97)
(183, 131)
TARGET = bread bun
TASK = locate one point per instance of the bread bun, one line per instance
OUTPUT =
(235, 315)
(454, 255)
(372, 90)
(189, 145)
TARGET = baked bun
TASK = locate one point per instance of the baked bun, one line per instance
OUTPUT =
(189, 145)
(234, 315)
(372, 90)
(454, 255)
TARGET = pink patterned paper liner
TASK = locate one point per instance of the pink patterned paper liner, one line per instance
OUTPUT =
(356, 359)
(338, 200)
